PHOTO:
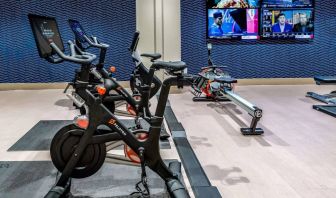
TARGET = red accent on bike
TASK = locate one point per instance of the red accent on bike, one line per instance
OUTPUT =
(82, 122)
(133, 156)
(101, 90)
(113, 69)
(131, 110)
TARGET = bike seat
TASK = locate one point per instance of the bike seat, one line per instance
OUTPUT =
(153, 57)
(225, 80)
(171, 66)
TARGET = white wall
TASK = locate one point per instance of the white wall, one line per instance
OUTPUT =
(172, 30)
(159, 24)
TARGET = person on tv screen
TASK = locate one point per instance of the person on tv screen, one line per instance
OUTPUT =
(282, 26)
(303, 26)
(216, 27)
(232, 4)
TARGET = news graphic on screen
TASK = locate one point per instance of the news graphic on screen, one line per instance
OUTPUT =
(288, 24)
(233, 4)
(233, 24)
(287, 3)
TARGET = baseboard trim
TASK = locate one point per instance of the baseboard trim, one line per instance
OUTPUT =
(37, 86)
(276, 81)
(255, 81)
(31, 86)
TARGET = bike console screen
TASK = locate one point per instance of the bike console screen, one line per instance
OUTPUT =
(78, 30)
(45, 31)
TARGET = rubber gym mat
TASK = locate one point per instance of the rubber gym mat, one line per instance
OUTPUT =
(35, 178)
(39, 137)
(198, 179)
(328, 109)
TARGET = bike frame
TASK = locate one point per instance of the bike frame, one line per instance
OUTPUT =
(139, 73)
(100, 115)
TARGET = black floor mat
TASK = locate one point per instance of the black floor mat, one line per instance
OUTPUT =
(34, 179)
(198, 180)
(39, 137)
(328, 109)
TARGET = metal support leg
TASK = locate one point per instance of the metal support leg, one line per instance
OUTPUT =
(253, 130)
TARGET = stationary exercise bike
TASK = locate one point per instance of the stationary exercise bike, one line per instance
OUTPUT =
(100, 74)
(217, 85)
(140, 72)
(78, 150)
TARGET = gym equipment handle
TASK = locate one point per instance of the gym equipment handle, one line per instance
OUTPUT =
(82, 58)
(95, 42)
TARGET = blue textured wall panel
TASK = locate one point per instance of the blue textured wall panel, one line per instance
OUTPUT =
(262, 59)
(112, 21)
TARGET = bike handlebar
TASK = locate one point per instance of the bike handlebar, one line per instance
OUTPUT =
(81, 57)
(94, 42)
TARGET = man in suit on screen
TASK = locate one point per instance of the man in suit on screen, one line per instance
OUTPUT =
(282, 26)
(303, 26)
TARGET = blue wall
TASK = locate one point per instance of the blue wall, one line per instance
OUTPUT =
(262, 59)
(113, 21)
